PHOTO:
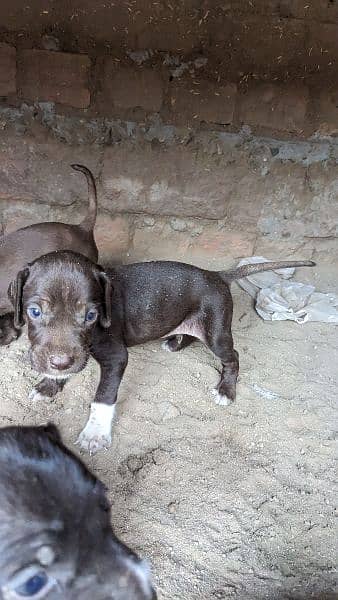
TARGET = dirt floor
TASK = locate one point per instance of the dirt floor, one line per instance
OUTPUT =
(233, 502)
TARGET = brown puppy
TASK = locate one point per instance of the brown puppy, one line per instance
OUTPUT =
(73, 309)
(27, 244)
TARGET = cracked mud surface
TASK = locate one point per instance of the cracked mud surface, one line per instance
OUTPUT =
(225, 502)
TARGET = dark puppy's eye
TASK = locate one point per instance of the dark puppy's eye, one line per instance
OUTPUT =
(33, 585)
(34, 311)
(91, 315)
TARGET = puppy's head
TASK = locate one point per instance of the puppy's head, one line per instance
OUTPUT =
(62, 296)
(56, 540)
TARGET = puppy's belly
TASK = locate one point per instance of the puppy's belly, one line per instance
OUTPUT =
(191, 326)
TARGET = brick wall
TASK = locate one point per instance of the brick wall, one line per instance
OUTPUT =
(181, 92)
(225, 111)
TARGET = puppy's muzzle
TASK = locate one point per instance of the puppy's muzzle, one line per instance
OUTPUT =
(61, 362)
(58, 362)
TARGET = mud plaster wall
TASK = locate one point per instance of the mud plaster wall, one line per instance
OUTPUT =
(214, 124)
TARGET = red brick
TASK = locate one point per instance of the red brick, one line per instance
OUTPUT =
(332, 12)
(280, 107)
(212, 248)
(259, 7)
(327, 112)
(206, 101)
(217, 244)
(302, 10)
(169, 38)
(282, 42)
(317, 10)
(7, 70)
(55, 77)
(128, 87)
(165, 26)
(322, 46)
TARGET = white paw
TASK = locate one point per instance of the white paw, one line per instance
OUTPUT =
(36, 396)
(93, 444)
(96, 435)
(219, 399)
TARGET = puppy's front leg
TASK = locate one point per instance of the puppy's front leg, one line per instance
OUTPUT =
(112, 356)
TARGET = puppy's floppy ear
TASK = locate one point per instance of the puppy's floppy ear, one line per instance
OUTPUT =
(15, 295)
(105, 317)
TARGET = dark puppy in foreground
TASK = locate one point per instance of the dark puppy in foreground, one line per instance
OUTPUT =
(74, 309)
(26, 244)
(56, 540)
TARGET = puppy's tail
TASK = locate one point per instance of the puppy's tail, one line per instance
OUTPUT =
(89, 221)
(246, 270)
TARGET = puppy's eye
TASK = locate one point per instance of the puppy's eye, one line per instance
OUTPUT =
(31, 582)
(91, 315)
(34, 311)
(33, 585)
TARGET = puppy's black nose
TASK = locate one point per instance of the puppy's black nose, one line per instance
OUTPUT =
(61, 361)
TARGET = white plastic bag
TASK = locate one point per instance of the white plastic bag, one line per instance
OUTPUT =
(278, 299)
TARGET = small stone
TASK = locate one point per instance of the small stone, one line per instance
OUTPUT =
(149, 221)
(200, 62)
(170, 411)
(50, 42)
(178, 224)
(196, 231)
(140, 56)
(172, 507)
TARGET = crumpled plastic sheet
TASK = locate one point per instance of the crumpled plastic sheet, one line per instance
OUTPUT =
(279, 299)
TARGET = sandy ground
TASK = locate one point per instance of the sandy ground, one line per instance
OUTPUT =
(233, 502)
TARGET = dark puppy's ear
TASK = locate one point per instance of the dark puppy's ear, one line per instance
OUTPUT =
(105, 317)
(15, 295)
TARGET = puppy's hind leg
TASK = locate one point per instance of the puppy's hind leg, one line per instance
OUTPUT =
(225, 391)
(47, 389)
(177, 342)
(219, 340)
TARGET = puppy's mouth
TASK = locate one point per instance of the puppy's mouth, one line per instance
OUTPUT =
(58, 375)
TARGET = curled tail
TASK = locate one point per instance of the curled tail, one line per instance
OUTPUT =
(246, 270)
(88, 222)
